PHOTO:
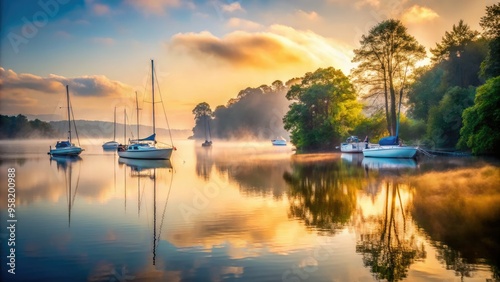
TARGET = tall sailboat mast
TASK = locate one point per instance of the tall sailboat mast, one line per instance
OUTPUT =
(69, 117)
(125, 126)
(137, 109)
(114, 126)
(153, 93)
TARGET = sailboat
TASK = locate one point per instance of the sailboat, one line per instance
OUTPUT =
(208, 136)
(391, 146)
(66, 148)
(112, 145)
(146, 148)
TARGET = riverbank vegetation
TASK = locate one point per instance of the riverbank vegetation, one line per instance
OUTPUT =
(451, 103)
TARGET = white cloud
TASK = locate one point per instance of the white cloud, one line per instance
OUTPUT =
(418, 14)
(233, 7)
(243, 24)
(276, 48)
(156, 7)
(312, 16)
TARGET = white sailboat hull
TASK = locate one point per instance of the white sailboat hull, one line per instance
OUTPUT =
(404, 152)
(147, 154)
(67, 151)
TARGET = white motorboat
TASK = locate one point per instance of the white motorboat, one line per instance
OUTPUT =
(280, 141)
(146, 148)
(66, 148)
(112, 145)
(353, 145)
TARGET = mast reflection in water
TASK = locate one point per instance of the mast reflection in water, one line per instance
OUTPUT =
(249, 211)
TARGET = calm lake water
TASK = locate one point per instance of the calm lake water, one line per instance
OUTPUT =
(249, 212)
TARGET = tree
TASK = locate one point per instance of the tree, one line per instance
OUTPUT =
(460, 52)
(426, 91)
(445, 119)
(387, 56)
(481, 121)
(453, 43)
(491, 26)
(324, 109)
(201, 113)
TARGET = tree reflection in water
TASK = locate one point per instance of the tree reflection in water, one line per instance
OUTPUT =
(323, 194)
(390, 247)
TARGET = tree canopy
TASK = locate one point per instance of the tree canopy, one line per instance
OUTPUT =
(324, 109)
(481, 121)
(20, 127)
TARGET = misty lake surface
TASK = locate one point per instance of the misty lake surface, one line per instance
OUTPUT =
(248, 211)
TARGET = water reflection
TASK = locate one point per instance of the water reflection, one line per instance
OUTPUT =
(255, 171)
(256, 214)
(323, 193)
(65, 164)
(460, 211)
(387, 241)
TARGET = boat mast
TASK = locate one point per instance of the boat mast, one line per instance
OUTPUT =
(114, 127)
(124, 126)
(137, 109)
(69, 118)
(153, 93)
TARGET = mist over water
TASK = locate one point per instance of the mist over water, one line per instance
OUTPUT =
(250, 211)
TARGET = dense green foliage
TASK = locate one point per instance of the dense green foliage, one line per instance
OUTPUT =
(491, 26)
(386, 56)
(445, 119)
(481, 121)
(441, 92)
(20, 127)
(323, 111)
(426, 91)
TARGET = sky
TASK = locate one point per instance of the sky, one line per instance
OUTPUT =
(203, 51)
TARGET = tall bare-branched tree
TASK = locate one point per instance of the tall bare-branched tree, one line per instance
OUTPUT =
(387, 56)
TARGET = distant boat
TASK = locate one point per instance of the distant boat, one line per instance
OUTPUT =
(208, 135)
(145, 148)
(66, 148)
(279, 141)
(112, 145)
(353, 145)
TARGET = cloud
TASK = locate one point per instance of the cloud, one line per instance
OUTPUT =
(418, 14)
(372, 3)
(278, 47)
(243, 24)
(233, 7)
(156, 7)
(100, 9)
(97, 85)
(103, 40)
(312, 16)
